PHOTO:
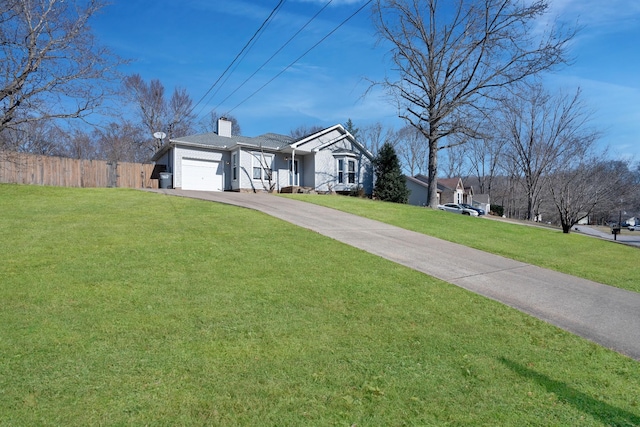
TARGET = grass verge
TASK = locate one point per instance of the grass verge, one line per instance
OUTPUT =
(124, 307)
(594, 259)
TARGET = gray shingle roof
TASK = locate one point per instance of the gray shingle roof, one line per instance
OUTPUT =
(268, 140)
(271, 140)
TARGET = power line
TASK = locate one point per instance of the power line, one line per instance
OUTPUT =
(258, 31)
(272, 56)
(261, 30)
(302, 56)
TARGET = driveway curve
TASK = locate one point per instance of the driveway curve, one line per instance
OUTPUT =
(603, 314)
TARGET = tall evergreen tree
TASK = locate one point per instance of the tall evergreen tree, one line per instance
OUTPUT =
(390, 182)
(352, 129)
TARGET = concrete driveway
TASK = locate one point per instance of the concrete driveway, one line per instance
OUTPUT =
(606, 315)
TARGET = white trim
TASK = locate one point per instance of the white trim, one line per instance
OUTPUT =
(315, 135)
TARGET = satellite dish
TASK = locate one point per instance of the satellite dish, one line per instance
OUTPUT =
(160, 135)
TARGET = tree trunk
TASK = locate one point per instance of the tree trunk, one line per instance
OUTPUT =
(433, 174)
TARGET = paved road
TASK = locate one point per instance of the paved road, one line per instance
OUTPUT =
(632, 239)
(603, 314)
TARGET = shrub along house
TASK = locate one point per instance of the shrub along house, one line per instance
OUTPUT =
(330, 160)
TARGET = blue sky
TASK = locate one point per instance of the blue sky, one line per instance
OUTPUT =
(190, 43)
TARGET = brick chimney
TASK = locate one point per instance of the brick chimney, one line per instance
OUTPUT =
(224, 127)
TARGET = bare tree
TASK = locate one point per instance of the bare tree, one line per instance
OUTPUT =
(452, 55)
(412, 150)
(484, 156)
(179, 116)
(158, 114)
(36, 137)
(80, 145)
(375, 135)
(543, 133)
(120, 142)
(455, 158)
(581, 186)
(302, 131)
(150, 102)
(622, 185)
(51, 66)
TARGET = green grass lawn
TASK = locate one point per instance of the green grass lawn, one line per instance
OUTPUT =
(583, 256)
(121, 307)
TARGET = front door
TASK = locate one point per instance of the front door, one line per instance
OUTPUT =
(294, 178)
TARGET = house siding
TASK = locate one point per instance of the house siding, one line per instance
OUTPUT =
(327, 137)
(418, 193)
(325, 176)
(166, 161)
(281, 171)
(308, 171)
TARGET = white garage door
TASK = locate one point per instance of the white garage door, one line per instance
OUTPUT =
(201, 175)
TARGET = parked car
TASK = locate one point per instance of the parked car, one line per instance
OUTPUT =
(456, 208)
(468, 206)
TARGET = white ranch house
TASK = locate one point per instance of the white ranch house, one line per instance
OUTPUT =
(330, 160)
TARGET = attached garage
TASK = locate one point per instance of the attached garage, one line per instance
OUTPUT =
(202, 175)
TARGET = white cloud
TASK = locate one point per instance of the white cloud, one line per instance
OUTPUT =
(597, 15)
(615, 111)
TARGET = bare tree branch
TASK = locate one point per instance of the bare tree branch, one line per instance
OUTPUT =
(156, 113)
(51, 66)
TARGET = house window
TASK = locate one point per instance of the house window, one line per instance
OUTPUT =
(257, 172)
(352, 171)
(267, 169)
(262, 166)
(346, 171)
(234, 164)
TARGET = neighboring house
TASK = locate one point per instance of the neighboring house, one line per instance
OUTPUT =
(418, 190)
(450, 190)
(330, 160)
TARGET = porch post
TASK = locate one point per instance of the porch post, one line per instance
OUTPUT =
(292, 169)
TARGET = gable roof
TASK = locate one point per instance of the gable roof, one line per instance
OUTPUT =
(269, 141)
(451, 183)
(418, 179)
(444, 184)
(323, 138)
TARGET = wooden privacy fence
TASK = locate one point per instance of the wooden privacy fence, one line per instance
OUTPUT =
(19, 168)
